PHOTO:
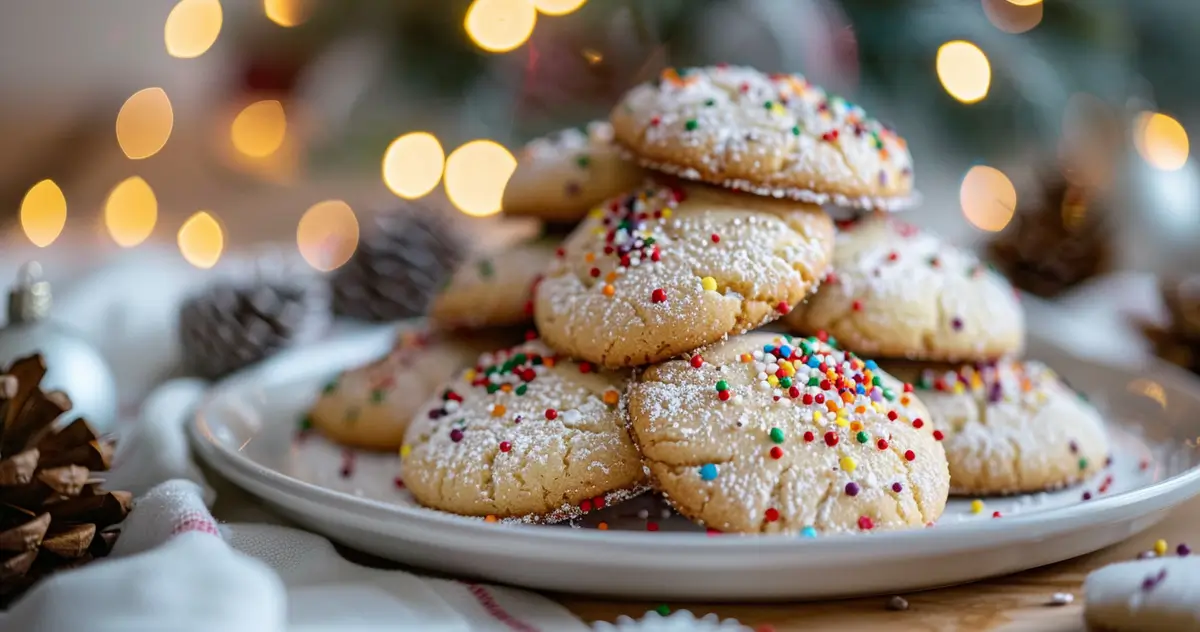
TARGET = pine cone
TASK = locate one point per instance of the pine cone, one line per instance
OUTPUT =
(232, 325)
(1062, 238)
(53, 514)
(403, 258)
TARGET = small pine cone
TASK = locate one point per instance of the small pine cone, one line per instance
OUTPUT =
(402, 259)
(233, 324)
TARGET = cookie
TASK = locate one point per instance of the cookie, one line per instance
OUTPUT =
(666, 269)
(898, 292)
(370, 406)
(493, 290)
(765, 433)
(1156, 594)
(1009, 426)
(523, 435)
(769, 134)
(560, 177)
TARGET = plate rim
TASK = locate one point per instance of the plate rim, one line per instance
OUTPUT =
(963, 536)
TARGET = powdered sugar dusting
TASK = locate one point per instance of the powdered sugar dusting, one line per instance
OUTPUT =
(520, 435)
(776, 134)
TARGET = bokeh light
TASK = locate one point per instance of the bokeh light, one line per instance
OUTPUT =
(1024, 3)
(412, 164)
(287, 12)
(557, 7)
(201, 240)
(43, 213)
(988, 198)
(192, 27)
(131, 212)
(964, 71)
(259, 129)
(1161, 141)
(327, 235)
(499, 26)
(1011, 17)
(476, 174)
(144, 123)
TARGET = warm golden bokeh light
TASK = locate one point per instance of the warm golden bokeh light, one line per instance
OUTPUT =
(144, 123)
(131, 212)
(499, 26)
(557, 7)
(259, 129)
(1161, 141)
(1013, 18)
(192, 27)
(964, 71)
(1024, 3)
(412, 164)
(43, 213)
(476, 174)
(988, 198)
(201, 240)
(327, 234)
(287, 12)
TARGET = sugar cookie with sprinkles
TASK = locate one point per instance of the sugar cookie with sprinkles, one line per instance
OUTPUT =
(1009, 426)
(769, 134)
(560, 177)
(765, 433)
(370, 406)
(895, 291)
(524, 435)
(666, 269)
(495, 289)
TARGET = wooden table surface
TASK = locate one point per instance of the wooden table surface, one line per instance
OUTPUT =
(1013, 602)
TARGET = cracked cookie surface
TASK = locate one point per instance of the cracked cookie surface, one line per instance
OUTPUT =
(371, 406)
(895, 291)
(560, 177)
(666, 269)
(1009, 426)
(523, 435)
(765, 433)
(769, 134)
(493, 289)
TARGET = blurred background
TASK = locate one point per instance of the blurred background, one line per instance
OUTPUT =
(1051, 135)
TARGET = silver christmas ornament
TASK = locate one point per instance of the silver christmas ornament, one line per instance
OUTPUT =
(74, 365)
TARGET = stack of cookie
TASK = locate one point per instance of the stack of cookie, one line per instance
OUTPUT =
(646, 373)
(953, 327)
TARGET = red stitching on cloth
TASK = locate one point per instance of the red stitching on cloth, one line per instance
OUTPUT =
(497, 612)
(195, 521)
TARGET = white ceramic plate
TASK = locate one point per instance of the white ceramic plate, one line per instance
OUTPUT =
(246, 430)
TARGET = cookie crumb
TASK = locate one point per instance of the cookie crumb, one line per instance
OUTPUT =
(897, 603)
(1060, 599)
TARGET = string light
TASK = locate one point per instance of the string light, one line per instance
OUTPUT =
(1161, 140)
(144, 123)
(1011, 17)
(201, 240)
(557, 7)
(412, 164)
(988, 198)
(499, 26)
(964, 71)
(43, 213)
(476, 174)
(286, 13)
(327, 234)
(192, 27)
(259, 129)
(130, 212)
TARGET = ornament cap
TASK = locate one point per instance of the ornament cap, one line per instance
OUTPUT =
(29, 299)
